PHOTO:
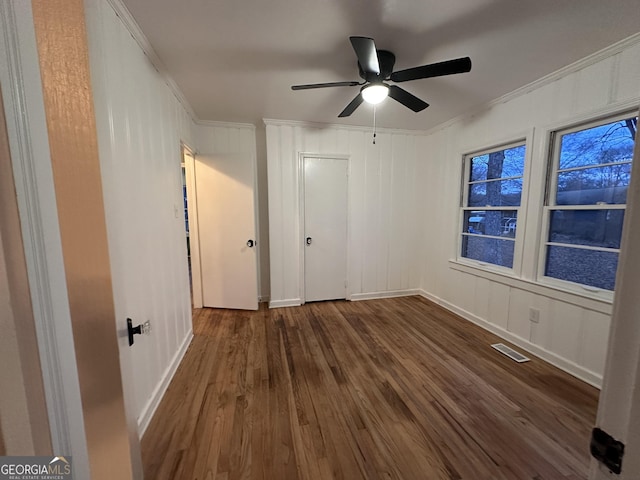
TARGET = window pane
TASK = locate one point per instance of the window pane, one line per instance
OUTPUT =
(594, 228)
(489, 250)
(498, 223)
(593, 185)
(499, 193)
(588, 267)
(500, 164)
(608, 143)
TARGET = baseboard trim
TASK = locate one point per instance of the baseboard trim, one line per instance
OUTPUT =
(568, 366)
(291, 302)
(356, 297)
(150, 408)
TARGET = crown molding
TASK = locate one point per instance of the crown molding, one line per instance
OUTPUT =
(216, 123)
(581, 64)
(574, 67)
(355, 128)
(141, 39)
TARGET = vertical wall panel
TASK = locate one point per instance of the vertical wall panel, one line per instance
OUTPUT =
(370, 221)
(595, 340)
(541, 331)
(140, 125)
(481, 297)
(396, 202)
(566, 330)
(274, 182)
(355, 254)
(291, 211)
(499, 305)
(628, 73)
(518, 322)
(384, 212)
(594, 85)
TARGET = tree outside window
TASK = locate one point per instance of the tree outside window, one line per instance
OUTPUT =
(491, 201)
(586, 201)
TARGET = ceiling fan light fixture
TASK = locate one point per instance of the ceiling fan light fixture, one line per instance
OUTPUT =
(375, 93)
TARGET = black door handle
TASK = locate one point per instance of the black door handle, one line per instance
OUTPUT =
(250, 243)
(308, 240)
(131, 330)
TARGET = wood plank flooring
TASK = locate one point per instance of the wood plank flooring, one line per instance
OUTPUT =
(384, 389)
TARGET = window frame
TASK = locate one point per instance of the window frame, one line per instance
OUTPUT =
(549, 202)
(463, 207)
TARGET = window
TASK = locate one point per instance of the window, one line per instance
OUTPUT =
(586, 200)
(492, 194)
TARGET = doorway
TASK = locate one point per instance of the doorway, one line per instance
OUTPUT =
(325, 220)
(225, 186)
(191, 225)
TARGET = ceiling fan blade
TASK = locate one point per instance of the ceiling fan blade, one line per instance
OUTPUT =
(365, 49)
(407, 99)
(349, 109)
(324, 85)
(450, 67)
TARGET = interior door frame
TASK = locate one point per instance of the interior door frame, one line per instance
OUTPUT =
(28, 139)
(189, 160)
(301, 217)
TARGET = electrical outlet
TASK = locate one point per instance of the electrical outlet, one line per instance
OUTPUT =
(534, 315)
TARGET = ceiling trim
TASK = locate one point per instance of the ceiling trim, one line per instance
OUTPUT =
(141, 39)
(581, 64)
(216, 123)
(356, 128)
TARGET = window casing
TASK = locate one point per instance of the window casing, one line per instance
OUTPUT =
(491, 201)
(585, 201)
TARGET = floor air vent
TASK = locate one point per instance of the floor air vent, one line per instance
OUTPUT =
(510, 352)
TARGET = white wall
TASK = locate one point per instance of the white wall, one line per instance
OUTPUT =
(140, 125)
(573, 329)
(383, 230)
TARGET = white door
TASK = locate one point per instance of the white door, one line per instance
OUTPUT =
(325, 227)
(227, 233)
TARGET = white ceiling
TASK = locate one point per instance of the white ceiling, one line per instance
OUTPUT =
(235, 60)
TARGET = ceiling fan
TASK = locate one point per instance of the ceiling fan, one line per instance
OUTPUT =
(376, 68)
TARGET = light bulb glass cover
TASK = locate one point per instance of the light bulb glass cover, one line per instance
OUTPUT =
(375, 93)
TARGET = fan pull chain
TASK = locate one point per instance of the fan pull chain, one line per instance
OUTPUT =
(374, 124)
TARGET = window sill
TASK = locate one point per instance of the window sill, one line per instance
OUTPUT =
(588, 300)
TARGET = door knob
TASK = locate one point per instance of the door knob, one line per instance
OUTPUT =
(308, 240)
(250, 243)
(137, 330)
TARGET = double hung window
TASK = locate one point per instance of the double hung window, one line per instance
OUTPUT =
(585, 202)
(492, 194)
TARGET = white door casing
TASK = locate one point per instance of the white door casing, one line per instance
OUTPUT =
(188, 158)
(325, 212)
(227, 230)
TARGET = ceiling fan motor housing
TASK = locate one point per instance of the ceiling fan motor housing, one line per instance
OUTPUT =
(386, 61)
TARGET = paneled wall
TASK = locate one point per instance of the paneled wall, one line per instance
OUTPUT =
(383, 228)
(140, 126)
(573, 329)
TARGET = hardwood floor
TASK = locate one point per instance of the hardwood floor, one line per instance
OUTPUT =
(384, 389)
